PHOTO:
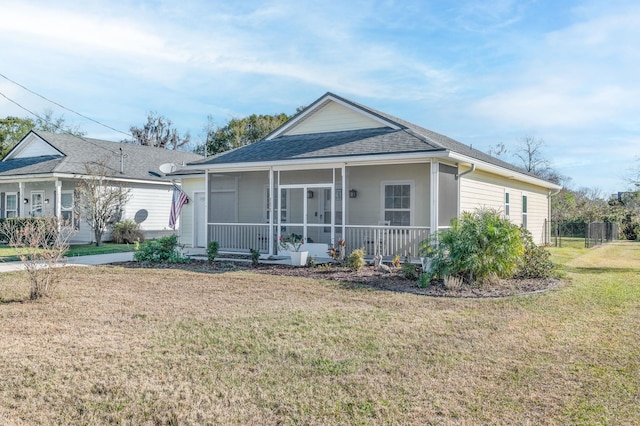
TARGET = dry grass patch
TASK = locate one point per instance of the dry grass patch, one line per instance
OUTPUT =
(146, 346)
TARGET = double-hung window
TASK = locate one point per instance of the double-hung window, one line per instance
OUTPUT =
(66, 208)
(397, 203)
(506, 204)
(525, 209)
(11, 204)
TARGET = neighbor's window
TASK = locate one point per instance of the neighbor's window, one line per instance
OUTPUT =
(506, 205)
(397, 204)
(524, 211)
(66, 208)
(11, 204)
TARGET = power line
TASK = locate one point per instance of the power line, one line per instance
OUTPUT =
(54, 124)
(61, 106)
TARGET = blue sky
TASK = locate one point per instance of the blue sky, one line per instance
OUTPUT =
(481, 72)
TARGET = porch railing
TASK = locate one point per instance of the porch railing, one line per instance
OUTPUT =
(240, 236)
(386, 240)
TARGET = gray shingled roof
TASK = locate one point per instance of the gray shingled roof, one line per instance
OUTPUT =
(409, 138)
(79, 151)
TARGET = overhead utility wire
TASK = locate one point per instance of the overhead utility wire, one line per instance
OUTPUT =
(61, 106)
(54, 124)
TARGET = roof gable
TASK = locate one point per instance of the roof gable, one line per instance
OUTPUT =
(332, 113)
(32, 145)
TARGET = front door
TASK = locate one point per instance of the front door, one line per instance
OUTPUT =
(309, 212)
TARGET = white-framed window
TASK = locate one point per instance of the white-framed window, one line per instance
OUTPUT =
(66, 208)
(397, 202)
(11, 204)
(37, 203)
(506, 204)
(525, 208)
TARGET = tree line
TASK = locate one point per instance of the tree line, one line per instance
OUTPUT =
(158, 131)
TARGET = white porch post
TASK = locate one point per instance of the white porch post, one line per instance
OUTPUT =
(58, 207)
(21, 205)
(434, 196)
(345, 194)
(278, 217)
(271, 212)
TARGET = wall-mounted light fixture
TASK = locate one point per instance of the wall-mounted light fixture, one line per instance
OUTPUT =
(26, 201)
(46, 201)
(353, 193)
(309, 194)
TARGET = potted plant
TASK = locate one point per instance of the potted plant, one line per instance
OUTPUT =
(294, 243)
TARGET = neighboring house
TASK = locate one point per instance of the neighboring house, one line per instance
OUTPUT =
(341, 170)
(38, 177)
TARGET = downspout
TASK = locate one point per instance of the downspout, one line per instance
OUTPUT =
(471, 170)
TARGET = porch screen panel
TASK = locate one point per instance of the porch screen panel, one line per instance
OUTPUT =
(448, 194)
(222, 199)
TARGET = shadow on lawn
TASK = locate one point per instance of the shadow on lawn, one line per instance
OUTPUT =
(603, 270)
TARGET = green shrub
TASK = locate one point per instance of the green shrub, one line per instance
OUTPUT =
(476, 246)
(127, 232)
(255, 257)
(535, 261)
(212, 250)
(424, 281)
(162, 250)
(355, 260)
(409, 271)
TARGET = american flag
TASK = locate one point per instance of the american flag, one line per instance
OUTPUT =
(179, 199)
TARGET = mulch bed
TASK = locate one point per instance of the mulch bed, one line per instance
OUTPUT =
(368, 276)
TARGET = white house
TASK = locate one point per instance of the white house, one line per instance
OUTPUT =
(341, 170)
(39, 175)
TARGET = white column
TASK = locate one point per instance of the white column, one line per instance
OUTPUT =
(434, 196)
(345, 194)
(58, 209)
(271, 212)
(21, 205)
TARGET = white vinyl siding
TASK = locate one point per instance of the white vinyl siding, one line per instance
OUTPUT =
(333, 117)
(35, 147)
(481, 189)
(150, 207)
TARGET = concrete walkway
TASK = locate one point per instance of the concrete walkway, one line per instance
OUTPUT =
(95, 259)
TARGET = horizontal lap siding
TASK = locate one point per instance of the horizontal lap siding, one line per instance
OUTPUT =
(155, 201)
(480, 189)
(333, 117)
(477, 191)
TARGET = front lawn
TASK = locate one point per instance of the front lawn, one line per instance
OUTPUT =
(8, 254)
(166, 346)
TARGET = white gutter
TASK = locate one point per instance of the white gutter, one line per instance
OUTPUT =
(471, 170)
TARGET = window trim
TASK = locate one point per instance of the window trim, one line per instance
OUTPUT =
(525, 210)
(62, 209)
(507, 204)
(412, 198)
(6, 209)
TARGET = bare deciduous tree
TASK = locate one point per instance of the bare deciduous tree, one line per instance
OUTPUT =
(100, 200)
(158, 132)
(41, 244)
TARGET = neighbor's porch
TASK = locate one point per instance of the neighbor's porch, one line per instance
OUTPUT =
(386, 209)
